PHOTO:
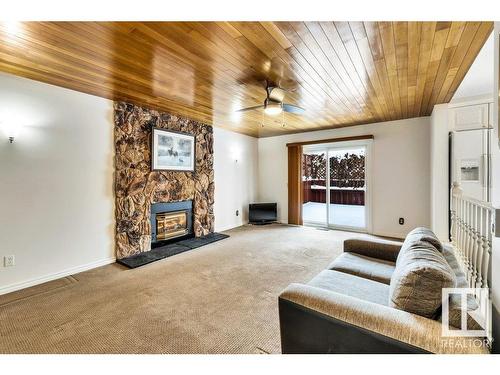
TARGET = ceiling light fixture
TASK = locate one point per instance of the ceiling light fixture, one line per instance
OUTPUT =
(272, 109)
(12, 28)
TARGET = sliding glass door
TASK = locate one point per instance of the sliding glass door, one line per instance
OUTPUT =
(314, 181)
(347, 187)
(335, 187)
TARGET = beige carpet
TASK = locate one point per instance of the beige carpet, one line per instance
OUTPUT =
(221, 298)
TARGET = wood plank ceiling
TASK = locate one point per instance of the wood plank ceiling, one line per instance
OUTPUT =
(343, 73)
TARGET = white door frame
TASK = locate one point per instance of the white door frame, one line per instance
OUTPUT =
(327, 147)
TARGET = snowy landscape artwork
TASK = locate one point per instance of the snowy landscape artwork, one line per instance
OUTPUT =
(172, 151)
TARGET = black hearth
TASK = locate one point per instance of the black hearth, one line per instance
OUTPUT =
(171, 234)
(169, 250)
(171, 222)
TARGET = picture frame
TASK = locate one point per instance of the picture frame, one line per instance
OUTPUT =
(172, 151)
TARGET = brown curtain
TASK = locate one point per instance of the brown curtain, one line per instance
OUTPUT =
(295, 184)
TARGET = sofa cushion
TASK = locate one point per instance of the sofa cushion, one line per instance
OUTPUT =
(420, 234)
(363, 266)
(353, 286)
(425, 235)
(455, 301)
(373, 247)
(420, 275)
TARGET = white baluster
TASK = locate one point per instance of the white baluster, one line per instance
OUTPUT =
(453, 214)
(468, 237)
(463, 247)
(480, 249)
(475, 240)
(460, 228)
(487, 249)
(471, 236)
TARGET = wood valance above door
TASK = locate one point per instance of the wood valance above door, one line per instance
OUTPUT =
(331, 140)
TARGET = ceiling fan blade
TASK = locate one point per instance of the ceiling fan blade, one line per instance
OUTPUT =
(250, 108)
(293, 109)
(277, 94)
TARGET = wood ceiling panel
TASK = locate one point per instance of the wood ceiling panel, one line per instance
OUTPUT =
(343, 73)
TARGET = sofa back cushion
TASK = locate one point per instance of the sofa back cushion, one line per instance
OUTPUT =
(420, 275)
(420, 234)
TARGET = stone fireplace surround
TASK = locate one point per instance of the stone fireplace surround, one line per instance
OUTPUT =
(137, 187)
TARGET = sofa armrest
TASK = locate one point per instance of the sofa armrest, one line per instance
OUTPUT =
(351, 323)
(375, 248)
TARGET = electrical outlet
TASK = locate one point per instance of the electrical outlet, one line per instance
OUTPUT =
(9, 260)
(237, 212)
(401, 221)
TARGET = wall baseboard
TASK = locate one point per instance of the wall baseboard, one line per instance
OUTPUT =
(230, 226)
(67, 272)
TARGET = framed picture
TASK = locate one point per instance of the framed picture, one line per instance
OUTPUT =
(172, 151)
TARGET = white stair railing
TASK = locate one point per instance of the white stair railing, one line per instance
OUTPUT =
(471, 236)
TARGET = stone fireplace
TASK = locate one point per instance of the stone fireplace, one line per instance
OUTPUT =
(138, 189)
(171, 222)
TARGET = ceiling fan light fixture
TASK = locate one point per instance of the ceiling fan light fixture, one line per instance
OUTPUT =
(273, 109)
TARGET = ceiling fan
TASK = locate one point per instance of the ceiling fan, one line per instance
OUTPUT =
(273, 104)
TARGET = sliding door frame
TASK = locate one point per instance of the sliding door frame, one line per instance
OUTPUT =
(326, 147)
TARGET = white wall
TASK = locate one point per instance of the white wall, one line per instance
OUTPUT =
(400, 172)
(439, 171)
(236, 177)
(56, 182)
(495, 171)
(479, 77)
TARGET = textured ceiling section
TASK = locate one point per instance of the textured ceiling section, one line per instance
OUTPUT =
(342, 73)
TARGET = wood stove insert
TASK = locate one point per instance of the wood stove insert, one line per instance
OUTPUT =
(171, 222)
